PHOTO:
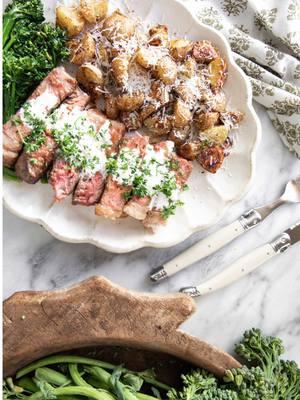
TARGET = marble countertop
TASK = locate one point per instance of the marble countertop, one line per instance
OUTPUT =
(268, 298)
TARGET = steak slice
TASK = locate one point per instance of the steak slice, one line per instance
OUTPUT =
(31, 166)
(90, 186)
(45, 98)
(113, 199)
(183, 169)
(63, 178)
(137, 207)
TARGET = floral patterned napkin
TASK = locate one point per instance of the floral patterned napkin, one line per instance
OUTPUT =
(264, 36)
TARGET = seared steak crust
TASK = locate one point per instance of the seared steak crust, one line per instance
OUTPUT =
(58, 84)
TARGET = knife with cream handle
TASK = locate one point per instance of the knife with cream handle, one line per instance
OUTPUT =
(225, 235)
(247, 263)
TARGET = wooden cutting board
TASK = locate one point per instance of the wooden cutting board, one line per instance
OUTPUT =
(96, 312)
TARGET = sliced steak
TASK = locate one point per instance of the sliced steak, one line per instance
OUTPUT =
(113, 199)
(31, 166)
(45, 98)
(90, 187)
(183, 169)
(63, 178)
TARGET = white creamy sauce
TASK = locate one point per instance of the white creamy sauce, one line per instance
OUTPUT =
(40, 106)
(154, 170)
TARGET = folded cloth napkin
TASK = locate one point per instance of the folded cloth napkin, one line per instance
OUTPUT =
(265, 39)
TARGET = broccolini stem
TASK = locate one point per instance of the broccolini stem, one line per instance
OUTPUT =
(100, 374)
(76, 391)
(143, 396)
(61, 359)
(27, 384)
(51, 376)
(75, 375)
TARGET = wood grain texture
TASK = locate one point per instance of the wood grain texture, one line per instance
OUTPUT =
(97, 312)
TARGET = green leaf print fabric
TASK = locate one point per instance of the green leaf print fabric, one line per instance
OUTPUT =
(264, 36)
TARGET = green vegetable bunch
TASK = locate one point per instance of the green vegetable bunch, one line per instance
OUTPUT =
(264, 377)
(75, 377)
(31, 49)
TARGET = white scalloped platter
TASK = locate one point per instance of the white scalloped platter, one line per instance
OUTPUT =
(209, 195)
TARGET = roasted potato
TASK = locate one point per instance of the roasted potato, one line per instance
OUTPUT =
(231, 118)
(217, 74)
(84, 50)
(111, 108)
(69, 18)
(93, 10)
(216, 102)
(182, 115)
(187, 93)
(120, 67)
(145, 57)
(211, 158)
(159, 36)
(204, 51)
(166, 70)
(190, 150)
(180, 48)
(90, 76)
(158, 97)
(215, 135)
(131, 120)
(188, 68)
(118, 26)
(206, 120)
(159, 123)
(130, 102)
(179, 136)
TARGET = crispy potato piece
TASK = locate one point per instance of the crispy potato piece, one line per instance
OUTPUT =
(93, 10)
(190, 150)
(166, 70)
(216, 102)
(90, 76)
(204, 51)
(101, 8)
(84, 51)
(159, 124)
(69, 18)
(158, 97)
(188, 68)
(131, 120)
(180, 49)
(206, 120)
(159, 36)
(118, 26)
(215, 135)
(120, 67)
(130, 102)
(211, 158)
(217, 74)
(231, 118)
(111, 108)
(182, 114)
(179, 136)
(146, 57)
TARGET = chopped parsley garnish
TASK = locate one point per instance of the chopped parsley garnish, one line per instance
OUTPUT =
(170, 209)
(152, 176)
(37, 137)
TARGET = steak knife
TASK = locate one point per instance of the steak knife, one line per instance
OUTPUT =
(247, 263)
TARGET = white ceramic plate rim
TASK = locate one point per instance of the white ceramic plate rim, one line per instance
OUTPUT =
(172, 242)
